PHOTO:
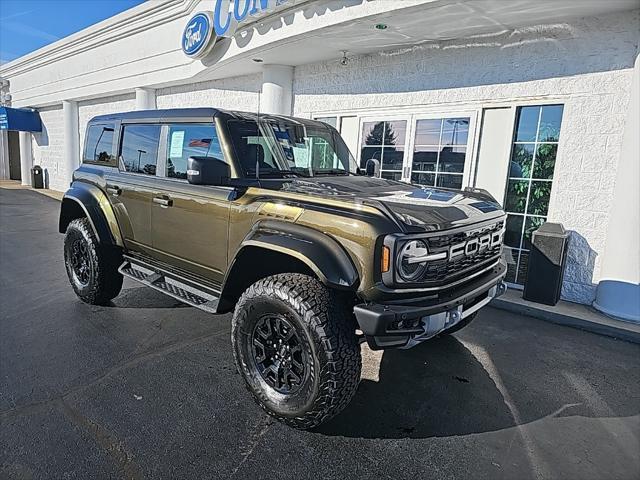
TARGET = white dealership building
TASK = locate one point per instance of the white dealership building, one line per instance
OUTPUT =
(535, 101)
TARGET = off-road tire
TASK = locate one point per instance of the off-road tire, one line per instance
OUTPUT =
(326, 328)
(459, 326)
(104, 282)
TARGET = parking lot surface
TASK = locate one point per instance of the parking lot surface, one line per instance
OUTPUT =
(147, 388)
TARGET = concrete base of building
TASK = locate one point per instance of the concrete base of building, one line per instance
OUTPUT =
(570, 314)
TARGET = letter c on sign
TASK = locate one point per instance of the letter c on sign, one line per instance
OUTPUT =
(236, 10)
(217, 25)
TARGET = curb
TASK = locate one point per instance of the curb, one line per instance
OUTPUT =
(571, 315)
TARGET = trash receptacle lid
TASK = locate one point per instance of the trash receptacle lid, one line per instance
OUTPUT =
(551, 229)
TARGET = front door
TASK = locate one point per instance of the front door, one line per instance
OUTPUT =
(14, 155)
(190, 222)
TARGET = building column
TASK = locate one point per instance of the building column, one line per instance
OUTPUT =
(145, 99)
(26, 158)
(618, 292)
(71, 135)
(277, 90)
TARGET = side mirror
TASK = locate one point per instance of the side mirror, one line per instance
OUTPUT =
(207, 171)
(373, 166)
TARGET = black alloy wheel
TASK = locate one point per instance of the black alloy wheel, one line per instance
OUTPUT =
(278, 353)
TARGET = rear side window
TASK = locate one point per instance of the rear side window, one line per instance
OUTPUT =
(190, 140)
(98, 147)
(139, 148)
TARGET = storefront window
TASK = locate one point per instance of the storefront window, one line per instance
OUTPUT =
(384, 141)
(439, 152)
(528, 191)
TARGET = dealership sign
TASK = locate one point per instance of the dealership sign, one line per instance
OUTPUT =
(203, 29)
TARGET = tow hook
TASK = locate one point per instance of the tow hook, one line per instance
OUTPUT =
(501, 289)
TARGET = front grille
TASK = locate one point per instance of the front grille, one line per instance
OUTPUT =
(441, 272)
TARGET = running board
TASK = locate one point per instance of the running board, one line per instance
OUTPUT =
(170, 284)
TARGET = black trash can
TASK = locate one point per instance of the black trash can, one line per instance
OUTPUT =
(37, 177)
(547, 261)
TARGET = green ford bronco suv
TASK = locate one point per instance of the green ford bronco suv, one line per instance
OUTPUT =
(268, 217)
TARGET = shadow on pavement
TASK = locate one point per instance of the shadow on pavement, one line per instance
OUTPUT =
(144, 297)
(437, 389)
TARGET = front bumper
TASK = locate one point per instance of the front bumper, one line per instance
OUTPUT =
(404, 326)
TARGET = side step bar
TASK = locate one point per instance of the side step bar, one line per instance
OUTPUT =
(170, 284)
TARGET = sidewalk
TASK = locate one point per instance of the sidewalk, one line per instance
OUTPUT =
(570, 314)
(16, 185)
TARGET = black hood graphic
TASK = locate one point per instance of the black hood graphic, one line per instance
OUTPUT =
(418, 208)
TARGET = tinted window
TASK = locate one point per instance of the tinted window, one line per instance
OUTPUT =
(139, 149)
(190, 140)
(98, 145)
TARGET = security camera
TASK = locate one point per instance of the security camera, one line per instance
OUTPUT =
(344, 61)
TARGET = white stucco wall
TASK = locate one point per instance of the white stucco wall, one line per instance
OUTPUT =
(586, 64)
(239, 93)
(48, 147)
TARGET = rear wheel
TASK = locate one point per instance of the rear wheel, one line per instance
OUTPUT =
(92, 268)
(294, 343)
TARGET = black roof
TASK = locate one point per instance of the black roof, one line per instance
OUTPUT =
(202, 113)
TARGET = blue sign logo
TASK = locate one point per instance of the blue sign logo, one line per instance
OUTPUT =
(196, 38)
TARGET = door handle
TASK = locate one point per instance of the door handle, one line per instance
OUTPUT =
(163, 201)
(114, 190)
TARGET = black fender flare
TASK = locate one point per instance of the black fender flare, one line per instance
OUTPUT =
(321, 253)
(96, 207)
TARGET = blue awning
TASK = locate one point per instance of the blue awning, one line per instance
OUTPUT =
(20, 120)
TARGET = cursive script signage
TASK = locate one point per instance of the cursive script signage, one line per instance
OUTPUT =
(196, 38)
(203, 29)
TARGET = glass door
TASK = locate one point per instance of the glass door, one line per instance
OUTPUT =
(385, 139)
(440, 153)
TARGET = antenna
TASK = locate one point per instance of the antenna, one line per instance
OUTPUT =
(257, 149)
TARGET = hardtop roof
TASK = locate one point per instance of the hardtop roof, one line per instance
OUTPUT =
(191, 114)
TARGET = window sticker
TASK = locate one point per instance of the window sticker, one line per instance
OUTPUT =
(177, 143)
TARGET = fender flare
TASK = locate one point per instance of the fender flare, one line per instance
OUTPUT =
(96, 207)
(321, 253)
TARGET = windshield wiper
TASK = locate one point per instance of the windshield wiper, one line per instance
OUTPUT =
(270, 173)
(332, 171)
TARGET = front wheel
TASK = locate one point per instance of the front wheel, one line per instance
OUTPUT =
(92, 268)
(294, 343)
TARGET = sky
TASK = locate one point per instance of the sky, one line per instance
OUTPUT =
(27, 25)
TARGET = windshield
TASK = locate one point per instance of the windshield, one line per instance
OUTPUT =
(274, 148)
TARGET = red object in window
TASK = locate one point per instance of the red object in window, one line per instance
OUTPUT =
(202, 142)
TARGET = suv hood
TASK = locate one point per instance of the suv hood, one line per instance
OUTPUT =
(416, 208)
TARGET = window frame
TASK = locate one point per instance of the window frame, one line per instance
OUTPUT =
(114, 144)
(121, 128)
(163, 150)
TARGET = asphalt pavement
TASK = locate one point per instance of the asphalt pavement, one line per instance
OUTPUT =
(147, 388)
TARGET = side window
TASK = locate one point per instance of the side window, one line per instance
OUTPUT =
(99, 143)
(190, 140)
(139, 148)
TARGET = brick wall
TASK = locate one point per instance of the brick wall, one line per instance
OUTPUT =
(239, 93)
(587, 63)
(48, 147)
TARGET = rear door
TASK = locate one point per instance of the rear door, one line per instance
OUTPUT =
(190, 222)
(132, 185)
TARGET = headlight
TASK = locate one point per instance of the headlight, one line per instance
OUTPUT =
(411, 261)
